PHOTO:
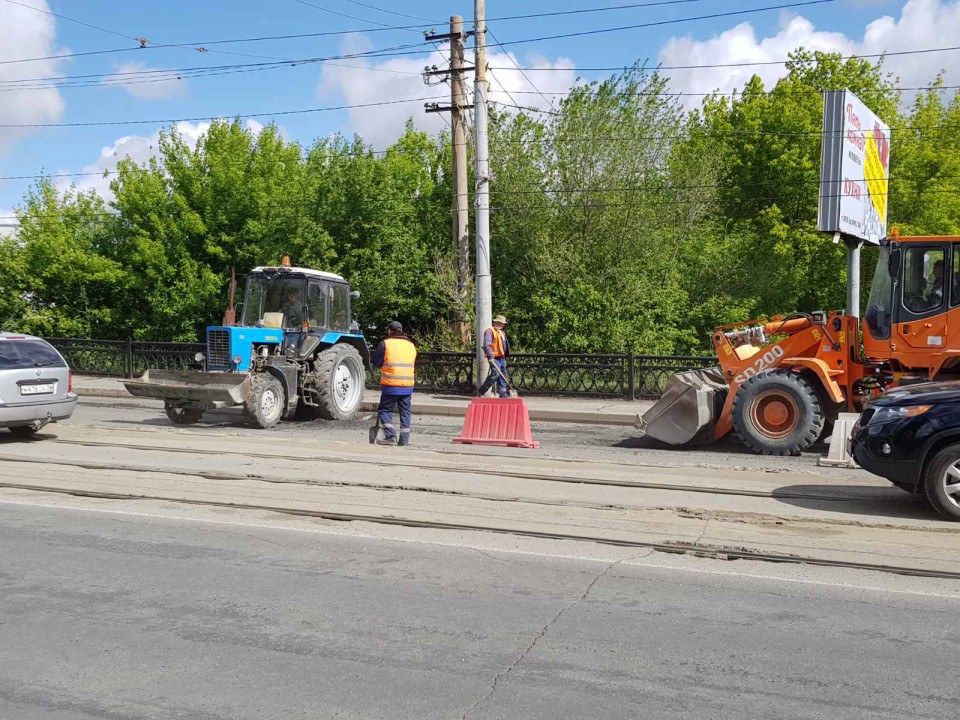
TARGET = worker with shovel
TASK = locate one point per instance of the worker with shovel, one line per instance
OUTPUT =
(496, 347)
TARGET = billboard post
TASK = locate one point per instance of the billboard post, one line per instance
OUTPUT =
(854, 180)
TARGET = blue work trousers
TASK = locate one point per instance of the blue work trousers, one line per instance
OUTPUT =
(385, 413)
(493, 377)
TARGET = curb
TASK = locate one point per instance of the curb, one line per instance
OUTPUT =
(101, 392)
(582, 417)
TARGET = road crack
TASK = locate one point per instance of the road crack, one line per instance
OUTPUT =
(494, 686)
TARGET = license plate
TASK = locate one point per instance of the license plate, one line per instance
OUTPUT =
(40, 389)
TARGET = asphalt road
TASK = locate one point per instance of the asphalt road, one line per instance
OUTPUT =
(561, 440)
(125, 616)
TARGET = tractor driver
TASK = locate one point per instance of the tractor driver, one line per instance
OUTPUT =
(292, 308)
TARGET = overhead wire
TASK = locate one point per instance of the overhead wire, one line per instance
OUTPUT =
(523, 74)
(73, 20)
(654, 202)
(170, 121)
(342, 14)
(751, 63)
(389, 12)
(138, 77)
(204, 44)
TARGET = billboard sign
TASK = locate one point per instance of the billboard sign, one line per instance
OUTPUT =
(854, 169)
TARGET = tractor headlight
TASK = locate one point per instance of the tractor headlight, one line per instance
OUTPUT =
(237, 359)
(198, 357)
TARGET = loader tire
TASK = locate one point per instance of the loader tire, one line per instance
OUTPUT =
(777, 413)
(182, 415)
(340, 381)
(265, 403)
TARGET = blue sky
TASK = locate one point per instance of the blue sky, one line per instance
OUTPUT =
(854, 26)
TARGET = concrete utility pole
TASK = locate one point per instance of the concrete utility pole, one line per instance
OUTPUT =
(484, 312)
(461, 196)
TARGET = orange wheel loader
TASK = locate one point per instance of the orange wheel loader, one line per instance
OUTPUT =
(781, 382)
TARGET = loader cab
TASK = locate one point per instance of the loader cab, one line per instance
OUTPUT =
(913, 313)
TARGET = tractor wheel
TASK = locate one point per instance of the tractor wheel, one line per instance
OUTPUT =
(265, 403)
(182, 415)
(777, 413)
(340, 382)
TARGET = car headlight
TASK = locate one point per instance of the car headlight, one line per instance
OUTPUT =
(237, 359)
(889, 414)
(198, 357)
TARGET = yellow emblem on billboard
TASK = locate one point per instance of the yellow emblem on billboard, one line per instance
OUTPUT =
(875, 175)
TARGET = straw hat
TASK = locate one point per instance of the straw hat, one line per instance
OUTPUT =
(500, 319)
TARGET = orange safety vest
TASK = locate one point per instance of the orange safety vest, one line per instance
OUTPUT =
(496, 344)
(399, 362)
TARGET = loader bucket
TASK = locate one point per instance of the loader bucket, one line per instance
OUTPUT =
(190, 387)
(687, 410)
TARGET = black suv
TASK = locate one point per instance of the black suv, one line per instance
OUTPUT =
(911, 436)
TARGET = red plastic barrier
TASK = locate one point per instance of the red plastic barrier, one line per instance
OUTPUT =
(497, 421)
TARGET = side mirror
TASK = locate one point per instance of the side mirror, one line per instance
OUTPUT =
(893, 263)
(355, 295)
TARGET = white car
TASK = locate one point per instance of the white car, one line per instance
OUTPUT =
(36, 386)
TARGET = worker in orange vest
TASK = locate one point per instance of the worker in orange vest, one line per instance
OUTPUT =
(396, 357)
(496, 347)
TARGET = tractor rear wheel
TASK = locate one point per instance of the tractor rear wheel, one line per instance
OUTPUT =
(340, 381)
(777, 413)
(182, 415)
(265, 403)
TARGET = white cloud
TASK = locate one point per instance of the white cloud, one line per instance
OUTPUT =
(27, 34)
(8, 222)
(146, 83)
(922, 24)
(359, 81)
(139, 149)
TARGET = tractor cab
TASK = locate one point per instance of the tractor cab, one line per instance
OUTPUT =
(297, 299)
(289, 311)
(912, 317)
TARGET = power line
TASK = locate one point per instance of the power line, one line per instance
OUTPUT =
(402, 202)
(170, 121)
(73, 20)
(743, 93)
(390, 12)
(584, 11)
(200, 45)
(351, 17)
(138, 77)
(703, 66)
(102, 173)
(731, 13)
(525, 77)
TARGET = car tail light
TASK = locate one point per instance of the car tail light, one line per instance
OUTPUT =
(69, 382)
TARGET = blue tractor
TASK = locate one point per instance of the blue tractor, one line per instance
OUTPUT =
(295, 345)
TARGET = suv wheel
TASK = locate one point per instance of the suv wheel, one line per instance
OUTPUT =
(26, 430)
(941, 481)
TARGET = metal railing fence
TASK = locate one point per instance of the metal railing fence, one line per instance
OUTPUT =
(614, 375)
